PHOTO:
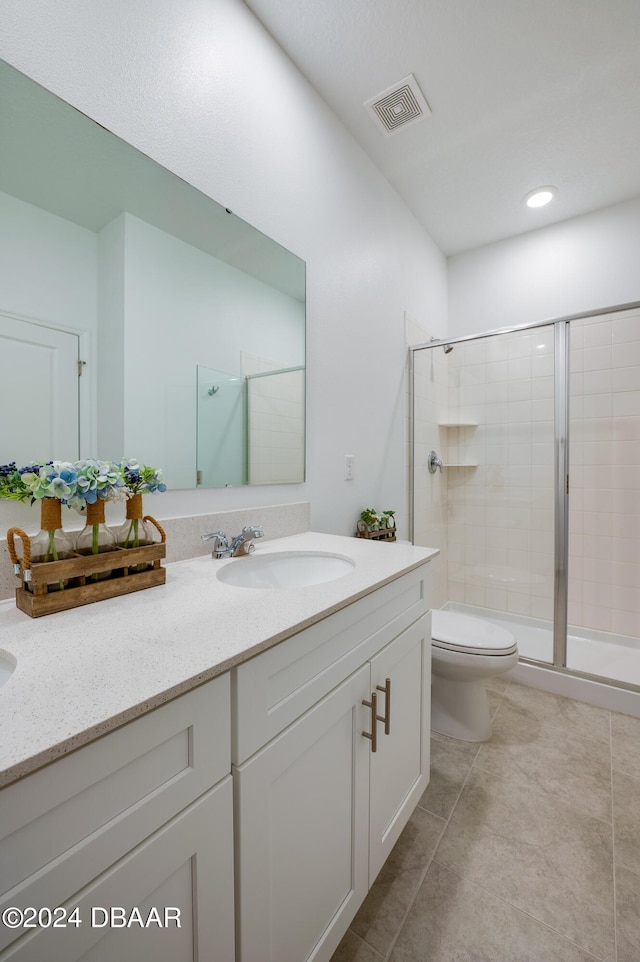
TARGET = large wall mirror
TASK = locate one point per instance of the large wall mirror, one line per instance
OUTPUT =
(189, 323)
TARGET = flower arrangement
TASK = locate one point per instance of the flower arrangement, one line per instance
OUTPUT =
(78, 483)
(86, 486)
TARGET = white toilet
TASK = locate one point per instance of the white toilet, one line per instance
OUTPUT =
(465, 653)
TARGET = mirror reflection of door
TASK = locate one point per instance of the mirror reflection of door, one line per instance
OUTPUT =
(38, 392)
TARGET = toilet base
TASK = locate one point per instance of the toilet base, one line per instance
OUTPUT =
(460, 709)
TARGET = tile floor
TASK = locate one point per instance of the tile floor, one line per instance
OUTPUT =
(523, 849)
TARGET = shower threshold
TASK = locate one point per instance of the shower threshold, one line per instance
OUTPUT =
(600, 666)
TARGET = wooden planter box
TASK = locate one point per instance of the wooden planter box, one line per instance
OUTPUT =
(376, 534)
(39, 593)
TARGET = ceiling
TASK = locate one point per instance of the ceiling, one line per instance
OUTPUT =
(523, 93)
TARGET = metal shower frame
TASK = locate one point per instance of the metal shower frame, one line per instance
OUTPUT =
(561, 327)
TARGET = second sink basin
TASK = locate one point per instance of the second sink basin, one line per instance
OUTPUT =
(7, 666)
(285, 569)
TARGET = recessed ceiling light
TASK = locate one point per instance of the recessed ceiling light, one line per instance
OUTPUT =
(540, 196)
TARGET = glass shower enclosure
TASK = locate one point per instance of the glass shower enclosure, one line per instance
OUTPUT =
(536, 506)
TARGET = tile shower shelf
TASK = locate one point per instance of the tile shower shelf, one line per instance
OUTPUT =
(457, 424)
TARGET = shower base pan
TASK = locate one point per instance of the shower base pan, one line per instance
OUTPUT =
(608, 660)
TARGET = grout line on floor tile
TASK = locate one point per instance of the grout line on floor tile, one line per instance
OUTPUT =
(518, 908)
(422, 877)
(496, 712)
(431, 860)
(613, 846)
(557, 726)
(378, 955)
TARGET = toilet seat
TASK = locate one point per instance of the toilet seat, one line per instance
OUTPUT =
(474, 636)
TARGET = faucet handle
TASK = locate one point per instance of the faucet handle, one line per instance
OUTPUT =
(255, 530)
(220, 535)
(243, 544)
(434, 462)
(220, 545)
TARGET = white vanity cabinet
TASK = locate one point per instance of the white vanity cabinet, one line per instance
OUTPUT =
(316, 809)
(140, 819)
(253, 809)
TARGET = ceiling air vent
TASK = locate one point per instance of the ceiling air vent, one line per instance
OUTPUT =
(399, 106)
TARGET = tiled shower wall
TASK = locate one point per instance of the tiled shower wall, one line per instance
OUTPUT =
(604, 513)
(275, 420)
(486, 408)
(276, 428)
(500, 480)
(430, 490)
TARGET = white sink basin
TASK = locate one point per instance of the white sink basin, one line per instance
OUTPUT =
(285, 569)
(7, 666)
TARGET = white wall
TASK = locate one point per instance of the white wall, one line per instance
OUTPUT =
(584, 264)
(204, 90)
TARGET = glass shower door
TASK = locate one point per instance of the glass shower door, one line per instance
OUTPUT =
(221, 454)
(604, 508)
(487, 407)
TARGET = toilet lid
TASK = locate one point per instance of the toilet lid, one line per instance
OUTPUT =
(452, 630)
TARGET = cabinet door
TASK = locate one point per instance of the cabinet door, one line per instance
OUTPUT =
(301, 810)
(400, 766)
(184, 871)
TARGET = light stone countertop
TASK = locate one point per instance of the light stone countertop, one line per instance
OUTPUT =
(84, 672)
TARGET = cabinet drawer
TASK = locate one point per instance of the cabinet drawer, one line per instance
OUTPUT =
(64, 824)
(277, 686)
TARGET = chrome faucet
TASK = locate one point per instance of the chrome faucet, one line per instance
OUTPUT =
(242, 544)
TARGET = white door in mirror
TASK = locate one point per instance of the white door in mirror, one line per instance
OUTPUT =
(33, 354)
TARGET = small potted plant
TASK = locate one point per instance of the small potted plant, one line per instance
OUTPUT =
(388, 519)
(378, 526)
(369, 520)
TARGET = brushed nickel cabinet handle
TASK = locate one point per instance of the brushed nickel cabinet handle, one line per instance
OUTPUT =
(373, 735)
(386, 718)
